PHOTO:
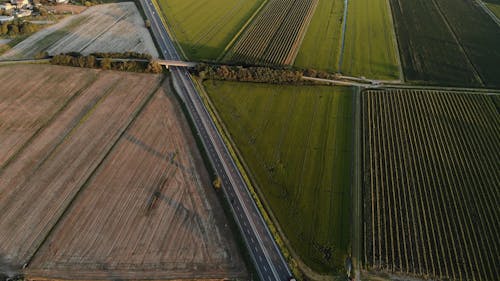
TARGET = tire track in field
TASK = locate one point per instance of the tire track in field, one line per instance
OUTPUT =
(342, 44)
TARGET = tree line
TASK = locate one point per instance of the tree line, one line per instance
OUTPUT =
(105, 61)
(258, 74)
(14, 28)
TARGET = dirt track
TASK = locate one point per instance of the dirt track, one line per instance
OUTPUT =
(109, 189)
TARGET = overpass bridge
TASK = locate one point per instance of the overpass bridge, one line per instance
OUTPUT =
(168, 63)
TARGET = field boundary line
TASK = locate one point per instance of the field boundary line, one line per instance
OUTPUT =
(489, 12)
(48, 122)
(302, 34)
(342, 41)
(67, 134)
(357, 186)
(459, 43)
(242, 29)
(395, 41)
(64, 212)
(24, 61)
(85, 46)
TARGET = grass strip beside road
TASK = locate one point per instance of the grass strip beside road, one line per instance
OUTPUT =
(242, 167)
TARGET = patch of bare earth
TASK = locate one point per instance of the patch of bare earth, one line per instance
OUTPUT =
(111, 187)
(29, 98)
(144, 213)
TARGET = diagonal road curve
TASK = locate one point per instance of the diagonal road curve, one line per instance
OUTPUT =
(266, 256)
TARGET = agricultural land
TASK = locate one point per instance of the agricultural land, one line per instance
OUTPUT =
(116, 27)
(447, 42)
(321, 46)
(478, 35)
(370, 47)
(203, 28)
(431, 178)
(296, 143)
(494, 6)
(103, 181)
(275, 35)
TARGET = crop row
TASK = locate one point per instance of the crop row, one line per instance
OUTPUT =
(275, 35)
(447, 42)
(431, 184)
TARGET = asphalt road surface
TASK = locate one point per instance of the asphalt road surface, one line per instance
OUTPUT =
(265, 254)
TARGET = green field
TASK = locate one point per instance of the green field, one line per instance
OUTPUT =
(297, 141)
(321, 45)
(494, 6)
(203, 28)
(370, 48)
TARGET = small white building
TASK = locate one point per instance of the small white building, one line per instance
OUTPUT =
(6, 19)
(62, 1)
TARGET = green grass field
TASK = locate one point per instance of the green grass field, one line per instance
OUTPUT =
(297, 141)
(203, 28)
(494, 6)
(370, 48)
(321, 45)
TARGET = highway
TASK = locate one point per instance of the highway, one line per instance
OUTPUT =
(266, 256)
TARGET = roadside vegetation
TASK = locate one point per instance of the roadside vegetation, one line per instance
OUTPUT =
(203, 28)
(320, 48)
(370, 48)
(296, 141)
(131, 62)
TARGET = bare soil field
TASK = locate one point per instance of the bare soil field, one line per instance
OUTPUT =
(23, 114)
(109, 190)
(66, 8)
(116, 27)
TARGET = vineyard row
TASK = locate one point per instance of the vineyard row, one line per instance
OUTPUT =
(275, 35)
(431, 178)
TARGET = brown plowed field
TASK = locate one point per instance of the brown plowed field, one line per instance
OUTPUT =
(23, 114)
(109, 189)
